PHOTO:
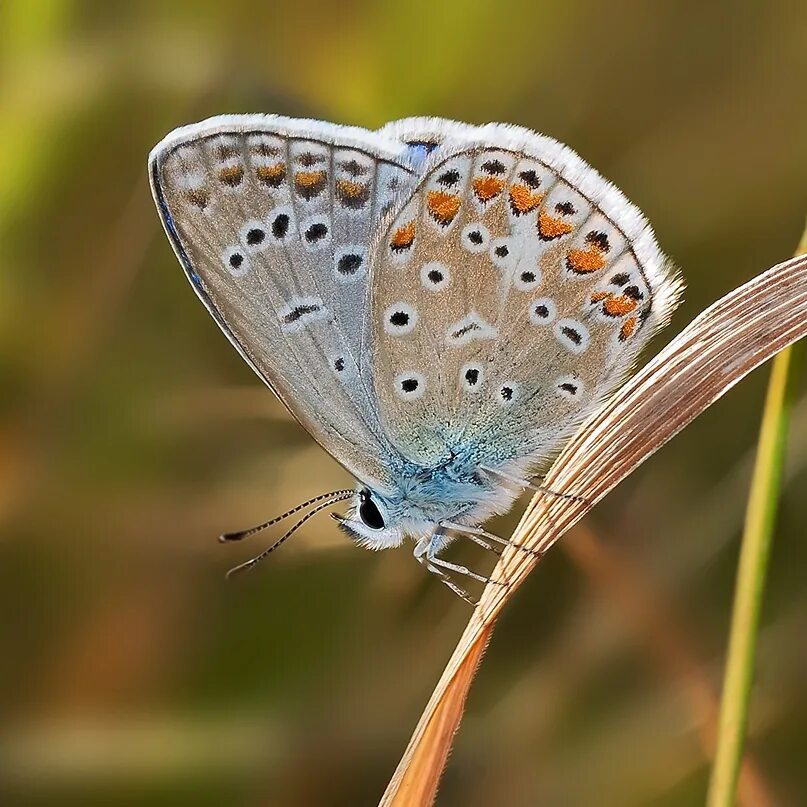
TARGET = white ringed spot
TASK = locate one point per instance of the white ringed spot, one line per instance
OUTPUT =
(469, 329)
(501, 253)
(410, 385)
(349, 264)
(253, 236)
(235, 261)
(573, 335)
(569, 387)
(527, 279)
(472, 376)
(282, 224)
(475, 237)
(507, 393)
(434, 276)
(300, 312)
(400, 319)
(543, 311)
(315, 233)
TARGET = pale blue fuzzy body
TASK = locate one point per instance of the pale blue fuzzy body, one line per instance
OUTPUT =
(421, 499)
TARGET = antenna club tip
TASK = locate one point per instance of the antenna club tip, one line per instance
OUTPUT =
(229, 537)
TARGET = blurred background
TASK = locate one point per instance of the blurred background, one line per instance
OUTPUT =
(132, 433)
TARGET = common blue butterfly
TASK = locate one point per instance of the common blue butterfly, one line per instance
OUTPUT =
(440, 305)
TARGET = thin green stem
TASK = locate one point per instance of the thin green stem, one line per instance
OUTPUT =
(760, 518)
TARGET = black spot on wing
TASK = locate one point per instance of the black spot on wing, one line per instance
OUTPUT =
(298, 312)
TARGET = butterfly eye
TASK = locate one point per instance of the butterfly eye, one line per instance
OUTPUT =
(369, 512)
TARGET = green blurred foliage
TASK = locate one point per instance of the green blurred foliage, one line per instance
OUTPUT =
(132, 434)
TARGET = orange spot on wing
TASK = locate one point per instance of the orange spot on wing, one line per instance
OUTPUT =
(403, 237)
(618, 306)
(352, 194)
(443, 206)
(487, 187)
(309, 179)
(200, 197)
(628, 329)
(584, 261)
(352, 190)
(550, 227)
(271, 174)
(598, 296)
(232, 175)
(523, 200)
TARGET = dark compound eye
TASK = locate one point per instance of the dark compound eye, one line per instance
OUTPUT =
(369, 513)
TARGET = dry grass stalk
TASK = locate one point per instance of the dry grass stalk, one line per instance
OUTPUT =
(718, 348)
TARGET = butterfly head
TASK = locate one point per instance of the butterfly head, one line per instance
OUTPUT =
(372, 520)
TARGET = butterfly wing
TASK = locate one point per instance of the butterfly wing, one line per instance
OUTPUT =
(272, 219)
(512, 292)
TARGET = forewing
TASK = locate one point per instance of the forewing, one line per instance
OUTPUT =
(511, 294)
(272, 220)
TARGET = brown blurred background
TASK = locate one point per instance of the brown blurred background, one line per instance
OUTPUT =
(132, 434)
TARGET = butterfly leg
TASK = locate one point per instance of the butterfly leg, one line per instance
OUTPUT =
(455, 567)
(460, 592)
(476, 534)
(421, 555)
(433, 559)
(525, 483)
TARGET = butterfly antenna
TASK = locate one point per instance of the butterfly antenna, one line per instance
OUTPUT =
(336, 495)
(242, 567)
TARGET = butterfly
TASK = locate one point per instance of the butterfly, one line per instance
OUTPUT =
(439, 304)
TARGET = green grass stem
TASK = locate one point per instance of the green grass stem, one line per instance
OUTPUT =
(755, 550)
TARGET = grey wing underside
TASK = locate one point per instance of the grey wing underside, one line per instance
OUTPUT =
(272, 220)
